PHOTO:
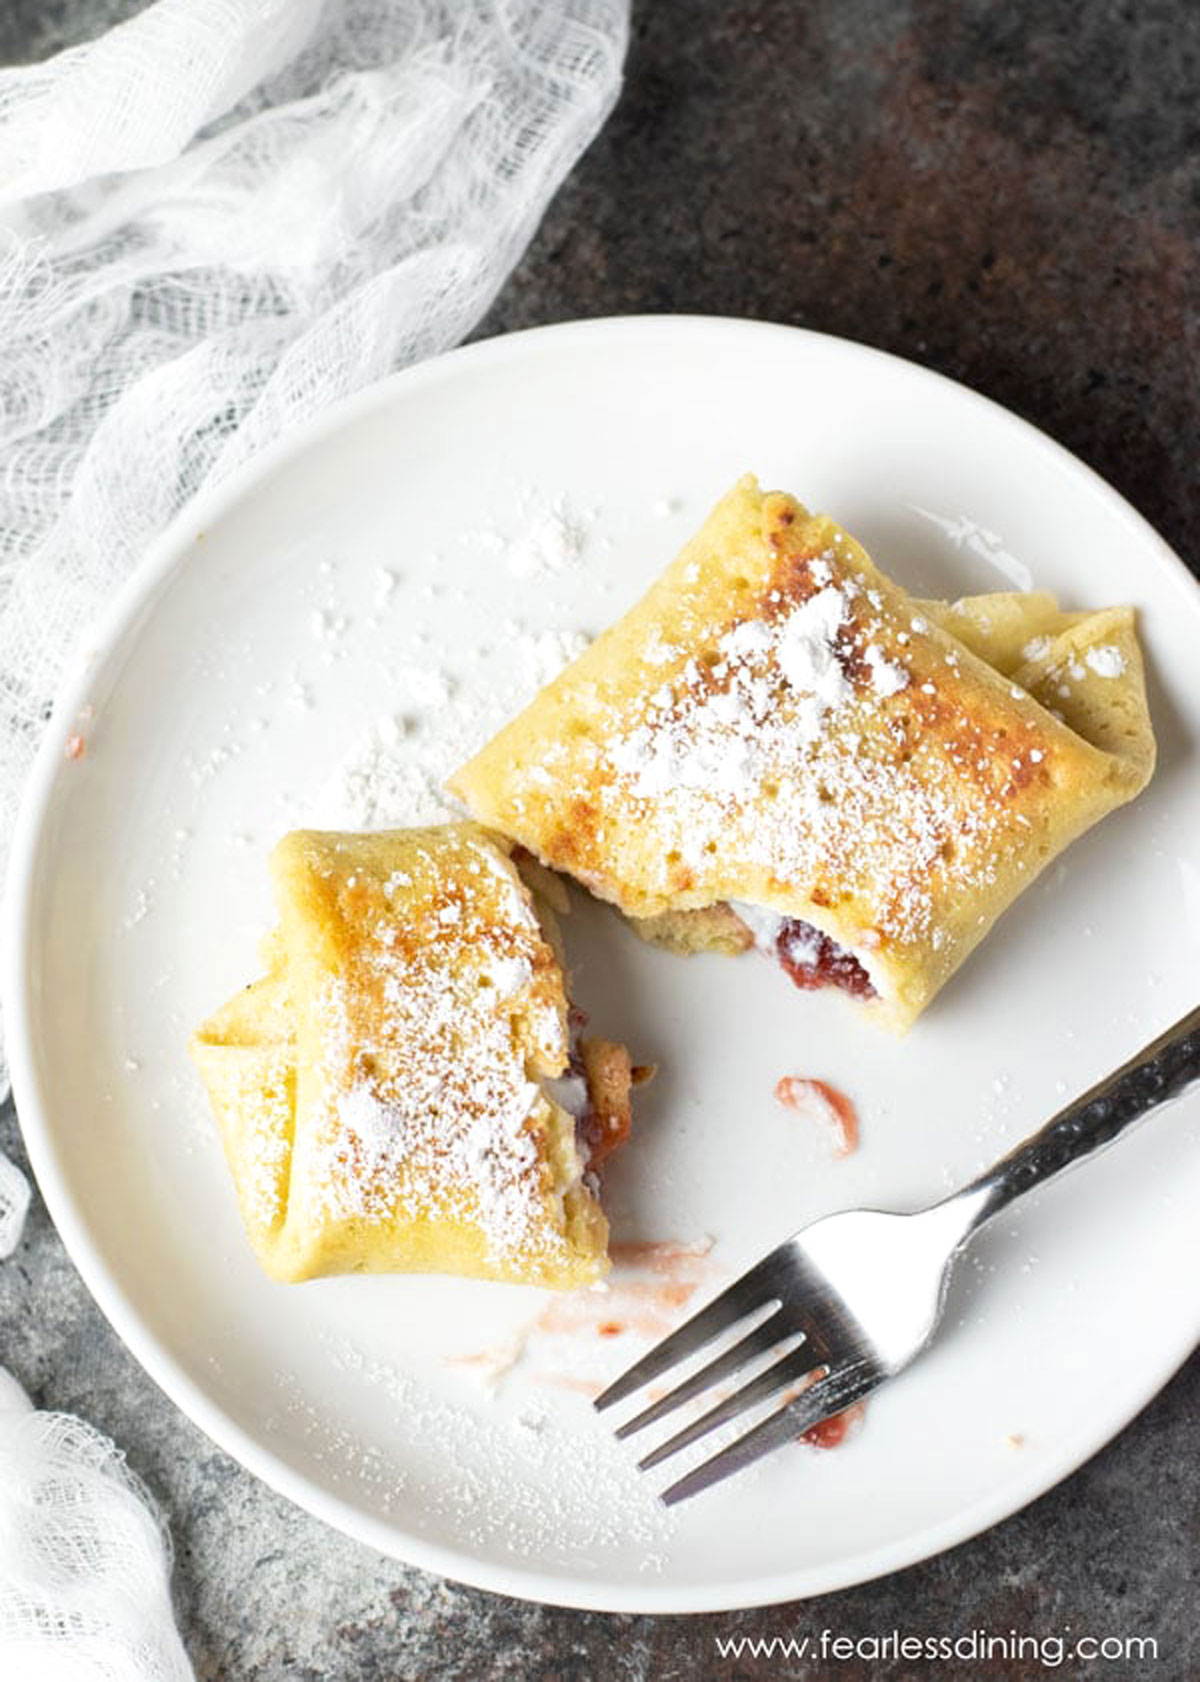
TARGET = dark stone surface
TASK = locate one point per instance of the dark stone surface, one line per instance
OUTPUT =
(31, 30)
(1009, 193)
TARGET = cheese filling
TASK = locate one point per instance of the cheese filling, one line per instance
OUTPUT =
(810, 957)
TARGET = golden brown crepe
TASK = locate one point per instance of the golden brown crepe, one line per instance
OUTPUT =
(386, 1092)
(778, 744)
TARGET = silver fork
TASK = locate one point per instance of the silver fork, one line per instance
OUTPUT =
(855, 1296)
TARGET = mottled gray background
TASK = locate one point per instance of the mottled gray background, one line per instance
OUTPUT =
(1008, 193)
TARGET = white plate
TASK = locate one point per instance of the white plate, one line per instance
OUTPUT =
(261, 643)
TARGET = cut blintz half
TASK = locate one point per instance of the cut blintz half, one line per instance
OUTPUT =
(403, 1090)
(778, 746)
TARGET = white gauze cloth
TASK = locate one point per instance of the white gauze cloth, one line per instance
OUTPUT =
(84, 1558)
(216, 220)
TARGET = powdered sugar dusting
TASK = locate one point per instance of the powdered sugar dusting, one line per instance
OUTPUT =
(422, 1103)
(394, 776)
(1106, 660)
(763, 716)
(806, 652)
(552, 536)
(490, 1154)
(720, 736)
(544, 654)
(887, 678)
(571, 1489)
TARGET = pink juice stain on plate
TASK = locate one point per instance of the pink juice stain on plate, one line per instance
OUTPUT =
(823, 1103)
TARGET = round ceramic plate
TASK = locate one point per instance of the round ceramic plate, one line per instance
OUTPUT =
(320, 640)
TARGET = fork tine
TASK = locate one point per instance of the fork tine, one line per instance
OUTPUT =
(751, 1291)
(777, 1377)
(764, 1336)
(830, 1395)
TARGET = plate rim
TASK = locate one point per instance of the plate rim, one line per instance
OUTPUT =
(173, 547)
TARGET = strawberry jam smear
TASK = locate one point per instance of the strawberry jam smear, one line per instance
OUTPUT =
(830, 1433)
(813, 960)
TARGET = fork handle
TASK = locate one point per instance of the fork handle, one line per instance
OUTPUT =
(1160, 1071)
